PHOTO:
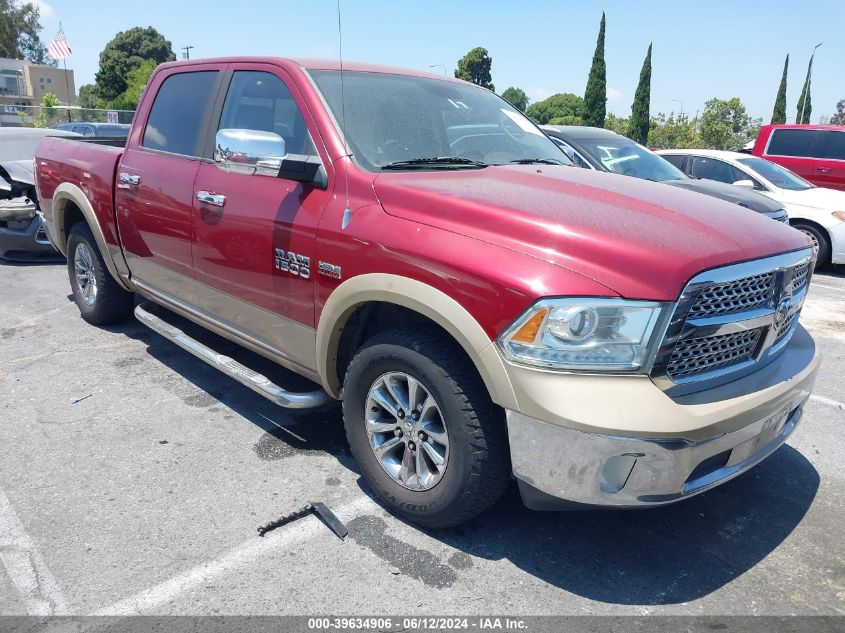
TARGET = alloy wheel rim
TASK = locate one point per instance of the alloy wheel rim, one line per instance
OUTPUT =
(814, 239)
(86, 279)
(406, 431)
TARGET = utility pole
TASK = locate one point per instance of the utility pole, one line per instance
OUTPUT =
(187, 53)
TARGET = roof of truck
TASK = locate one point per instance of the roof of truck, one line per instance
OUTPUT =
(316, 64)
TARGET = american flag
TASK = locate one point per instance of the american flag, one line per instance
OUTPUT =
(59, 48)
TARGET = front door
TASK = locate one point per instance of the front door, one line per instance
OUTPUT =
(155, 181)
(254, 249)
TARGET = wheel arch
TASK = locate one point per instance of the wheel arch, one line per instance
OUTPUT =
(70, 203)
(357, 293)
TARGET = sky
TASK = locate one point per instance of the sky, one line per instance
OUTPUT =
(706, 49)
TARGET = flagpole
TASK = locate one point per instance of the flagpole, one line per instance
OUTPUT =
(67, 83)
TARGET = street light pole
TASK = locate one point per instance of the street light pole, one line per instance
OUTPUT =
(681, 115)
(809, 81)
(443, 66)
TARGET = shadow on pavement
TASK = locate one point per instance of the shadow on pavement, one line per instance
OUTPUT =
(656, 556)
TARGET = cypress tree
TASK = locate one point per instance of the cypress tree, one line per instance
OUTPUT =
(779, 113)
(805, 109)
(595, 96)
(638, 125)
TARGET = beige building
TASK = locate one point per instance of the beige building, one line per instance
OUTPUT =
(23, 85)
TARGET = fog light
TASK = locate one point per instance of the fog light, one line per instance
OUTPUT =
(615, 473)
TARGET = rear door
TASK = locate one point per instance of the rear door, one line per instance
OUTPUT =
(797, 149)
(155, 179)
(830, 170)
(254, 249)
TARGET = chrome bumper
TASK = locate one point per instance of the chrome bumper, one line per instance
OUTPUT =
(603, 470)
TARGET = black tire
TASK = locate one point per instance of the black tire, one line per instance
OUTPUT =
(821, 238)
(478, 468)
(110, 303)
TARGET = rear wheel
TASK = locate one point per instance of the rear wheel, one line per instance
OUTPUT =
(423, 429)
(821, 242)
(101, 300)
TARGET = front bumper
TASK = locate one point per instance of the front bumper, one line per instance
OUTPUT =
(740, 424)
(26, 240)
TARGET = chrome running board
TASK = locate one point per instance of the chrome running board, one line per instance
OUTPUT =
(259, 383)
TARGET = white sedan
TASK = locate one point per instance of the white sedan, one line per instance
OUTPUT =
(818, 212)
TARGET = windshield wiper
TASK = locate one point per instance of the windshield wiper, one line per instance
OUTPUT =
(537, 161)
(435, 161)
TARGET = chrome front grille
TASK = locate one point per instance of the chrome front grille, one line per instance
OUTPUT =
(734, 296)
(730, 320)
(709, 353)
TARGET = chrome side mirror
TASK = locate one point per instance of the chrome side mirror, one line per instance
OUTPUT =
(249, 151)
(748, 184)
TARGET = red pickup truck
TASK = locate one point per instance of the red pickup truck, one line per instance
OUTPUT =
(814, 152)
(420, 250)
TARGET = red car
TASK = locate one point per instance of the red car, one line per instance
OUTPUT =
(814, 152)
(421, 251)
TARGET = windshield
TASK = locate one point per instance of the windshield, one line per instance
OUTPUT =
(775, 174)
(624, 156)
(388, 119)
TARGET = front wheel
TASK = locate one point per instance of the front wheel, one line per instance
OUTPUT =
(101, 300)
(423, 429)
(821, 242)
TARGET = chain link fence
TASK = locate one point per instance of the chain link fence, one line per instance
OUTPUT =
(40, 116)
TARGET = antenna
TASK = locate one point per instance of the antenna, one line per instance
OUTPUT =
(347, 212)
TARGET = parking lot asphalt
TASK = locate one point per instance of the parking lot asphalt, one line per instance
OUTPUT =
(133, 477)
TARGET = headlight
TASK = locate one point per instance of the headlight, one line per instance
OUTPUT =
(587, 334)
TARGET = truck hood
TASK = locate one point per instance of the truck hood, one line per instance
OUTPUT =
(730, 193)
(641, 239)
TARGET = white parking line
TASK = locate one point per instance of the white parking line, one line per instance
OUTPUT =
(816, 284)
(245, 554)
(828, 401)
(27, 570)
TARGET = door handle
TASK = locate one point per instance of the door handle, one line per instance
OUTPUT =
(128, 181)
(214, 199)
(824, 170)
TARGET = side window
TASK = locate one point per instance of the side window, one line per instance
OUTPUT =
(714, 169)
(800, 143)
(676, 159)
(571, 154)
(261, 101)
(835, 145)
(175, 122)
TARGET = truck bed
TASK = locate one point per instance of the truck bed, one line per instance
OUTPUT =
(87, 163)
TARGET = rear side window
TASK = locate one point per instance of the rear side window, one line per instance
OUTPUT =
(676, 159)
(175, 124)
(835, 145)
(800, 143)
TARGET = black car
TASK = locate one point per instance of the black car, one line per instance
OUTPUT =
(597, 148)
(102, 130)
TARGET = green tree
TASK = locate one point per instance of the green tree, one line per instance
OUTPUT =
(475, 67)
(135, 84)
(516, 97)
(595, 95)
(557, 106)
(639, 124)
(779, 113)
(674, 132)
(88, 97)
(620, 125)
(20, 27)
(126, 52)
(805, 102)
(839, 117)
(725, 124)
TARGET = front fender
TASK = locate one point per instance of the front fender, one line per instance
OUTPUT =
(423, 299)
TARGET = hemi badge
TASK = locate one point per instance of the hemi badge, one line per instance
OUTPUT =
(329, 270)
